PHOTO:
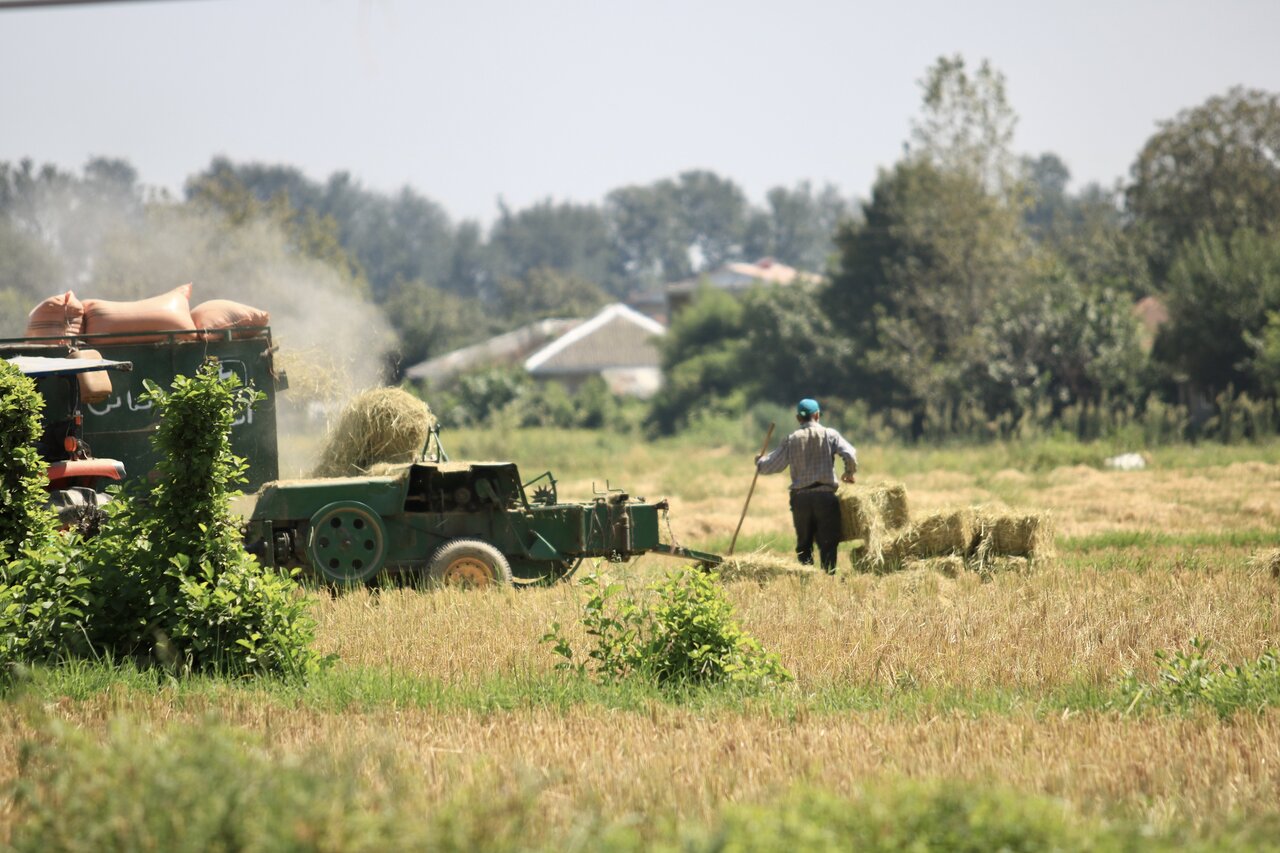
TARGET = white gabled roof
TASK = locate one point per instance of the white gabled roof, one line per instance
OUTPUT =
(612, 313)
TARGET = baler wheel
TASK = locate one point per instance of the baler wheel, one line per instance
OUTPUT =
(348, 542)
(469, 562)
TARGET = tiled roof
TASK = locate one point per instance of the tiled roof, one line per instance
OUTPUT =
(616, 337)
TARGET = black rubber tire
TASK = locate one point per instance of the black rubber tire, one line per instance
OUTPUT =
(469, 562)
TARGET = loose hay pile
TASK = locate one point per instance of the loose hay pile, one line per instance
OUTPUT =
(759, 566)
(378, 427)
(981, 539)
(1267, 562)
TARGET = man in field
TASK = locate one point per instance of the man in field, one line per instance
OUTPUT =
(810, 452)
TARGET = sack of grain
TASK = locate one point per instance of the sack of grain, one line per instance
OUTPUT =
(167, 312)
(222, 314)
(58, 316)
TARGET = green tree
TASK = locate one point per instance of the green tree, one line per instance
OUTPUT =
(1054, 341)
(1219, 295)
(572, 239)
(702, 356)
(546, 292)
(916, 280)
(1086, 229)
(1215, 167)
(430, 321)
(797, 226)
(966, 124)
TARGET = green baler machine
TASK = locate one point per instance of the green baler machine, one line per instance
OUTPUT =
(468, 523)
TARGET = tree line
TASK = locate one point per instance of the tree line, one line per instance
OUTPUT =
(975, 292)
(971, 287)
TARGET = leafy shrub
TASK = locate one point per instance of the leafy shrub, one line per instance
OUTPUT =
(686, 635)
(42, 582)
(173, 581)
(44, 598)
(25, 521)
(1189, 679)
(902, 815)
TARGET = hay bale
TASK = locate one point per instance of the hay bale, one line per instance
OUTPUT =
(382, 426)
(1267, 562)
(890, 500)
(1013, 534)
(942, 534)
(863, 508)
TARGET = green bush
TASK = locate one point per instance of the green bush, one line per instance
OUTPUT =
(686, 635)
(901, 815)
(25, 520)
(1188, 680)
(173, 582)
(42, 581)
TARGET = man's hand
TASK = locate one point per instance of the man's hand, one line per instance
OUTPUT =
(848, 478)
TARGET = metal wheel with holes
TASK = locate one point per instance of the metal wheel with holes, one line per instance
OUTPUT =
(348, 542)
(469, 562)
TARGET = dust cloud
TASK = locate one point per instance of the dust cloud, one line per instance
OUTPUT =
(331, 338)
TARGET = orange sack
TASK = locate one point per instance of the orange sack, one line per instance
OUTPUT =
(58, 315)
(224, 314)
(165, 313)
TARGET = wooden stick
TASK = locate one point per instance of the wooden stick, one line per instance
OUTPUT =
(763, 449)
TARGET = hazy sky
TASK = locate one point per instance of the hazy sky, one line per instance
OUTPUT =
(470, 100)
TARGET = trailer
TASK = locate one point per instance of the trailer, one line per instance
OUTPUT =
(120, 426)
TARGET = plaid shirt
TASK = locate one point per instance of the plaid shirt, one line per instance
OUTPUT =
(810, 452)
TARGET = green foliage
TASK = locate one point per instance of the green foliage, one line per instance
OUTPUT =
(1219, 293)
(1211, 168)
(687, 635)
(512, 399)
(1189, 680)
(896, 815)
(172, 580)
(44, 603)
(966, 124)
(545, 292)
(916, 282)
(25, 521)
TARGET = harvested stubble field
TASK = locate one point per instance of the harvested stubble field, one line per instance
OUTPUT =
(1008, 683)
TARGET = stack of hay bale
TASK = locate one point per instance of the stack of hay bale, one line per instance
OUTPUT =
(980, 539)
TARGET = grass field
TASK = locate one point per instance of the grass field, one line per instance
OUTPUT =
(961, 705)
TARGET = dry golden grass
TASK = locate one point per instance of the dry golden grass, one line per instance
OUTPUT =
(685, 764)
(1051, 628)
(1082, 619)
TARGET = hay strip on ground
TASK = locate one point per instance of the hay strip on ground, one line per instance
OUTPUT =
(759, 566)
(378, 427)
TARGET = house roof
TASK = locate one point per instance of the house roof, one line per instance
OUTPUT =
(739, 275)
(507, 348)
(616, 337)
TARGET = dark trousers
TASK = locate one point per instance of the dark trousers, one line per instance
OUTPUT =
(816, 514)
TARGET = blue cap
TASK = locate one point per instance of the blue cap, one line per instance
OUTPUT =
(807, 407)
